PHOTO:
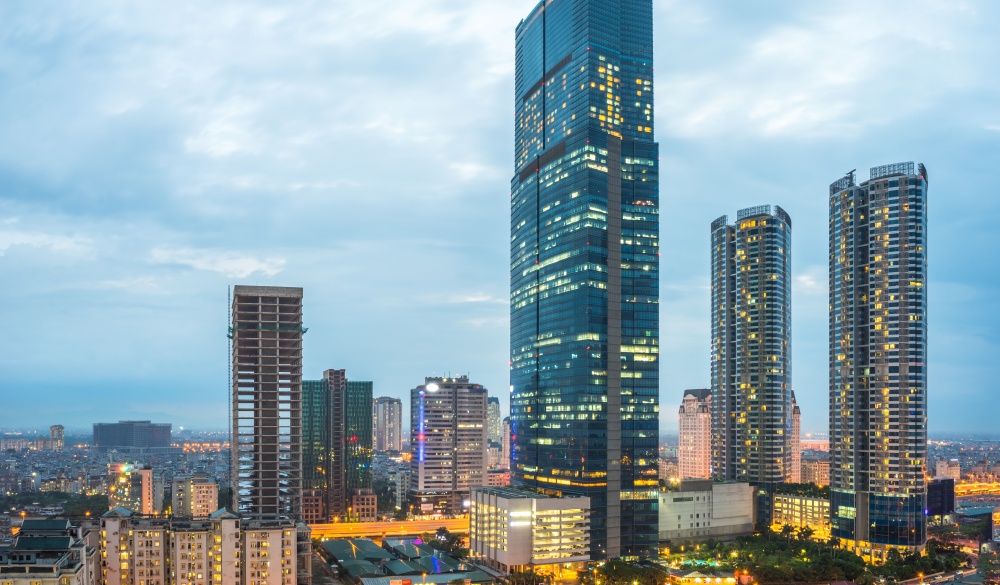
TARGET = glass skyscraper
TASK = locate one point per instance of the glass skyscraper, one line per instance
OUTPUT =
(878, 359)
(585, 265)
(752, 398)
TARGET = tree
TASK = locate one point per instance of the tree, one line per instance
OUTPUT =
(787, 530)
(805, 533)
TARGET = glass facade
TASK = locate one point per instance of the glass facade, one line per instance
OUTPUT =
(357, 436)
(878, 355)
(752, 398)
(585, 266)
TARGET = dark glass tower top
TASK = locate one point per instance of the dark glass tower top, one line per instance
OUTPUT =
(579, 65)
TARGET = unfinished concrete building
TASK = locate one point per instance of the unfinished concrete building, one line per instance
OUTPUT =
(266, 332)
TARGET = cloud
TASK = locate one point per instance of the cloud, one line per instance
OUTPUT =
(477, 298)
(229, 264)
(811, 282)
(58, 244)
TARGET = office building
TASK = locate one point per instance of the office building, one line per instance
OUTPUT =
(941, 496)
(751, 346)
(266, 347)
(388, 424)
(317, 443)
(128, 435)
(514, 530)
(495, 421)
(336, 439)
(355, 443)
(702, 509)
(194, 496)
(802, 511)
(505, 452)
(795, 441)
(878, 357)
(694, 448)
(448, 422)
(584, 267)
(221, 549)
(816, 471)
(131, 486)
(49, 552)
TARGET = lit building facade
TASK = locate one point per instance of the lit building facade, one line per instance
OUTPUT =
(694, 448)
(194, 496)
(512, 530)
(131, 486)
(751, 346)
(801, 511)
(221, 549)
(795, 442)
(49, 552)
(585, 265)
(449, 437)
(816, 471)
(57, 434)
(337, 439)
(878, 359)
(266, 347)
(494, 420)
(388, 424)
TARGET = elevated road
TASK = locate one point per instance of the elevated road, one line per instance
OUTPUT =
(387, 529)
(977, 489)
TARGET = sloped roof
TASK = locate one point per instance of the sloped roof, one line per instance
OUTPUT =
(43, 543)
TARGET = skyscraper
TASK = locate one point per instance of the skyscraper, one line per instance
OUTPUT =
(388, 424)
(751, 352)
(266, 347)
(448, 427)
(585, 265)
(694, 445)
(336, 439)
(357, 439)
(494, 420)
(878, 357)
(57, 434)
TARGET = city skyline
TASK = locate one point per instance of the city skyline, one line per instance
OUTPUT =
(126, 291)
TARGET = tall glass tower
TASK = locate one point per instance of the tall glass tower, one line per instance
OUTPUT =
(878, 359)
(752, 398)
(585, 265)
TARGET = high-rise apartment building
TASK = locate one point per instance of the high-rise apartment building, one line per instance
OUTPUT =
(505, 443)
(795, 443)
(221, 549)
(878, 358)
(266, 347)
(194, 496)
(751, 346)
(388, 424)
(449, 437)
(131, 486)
(694, 445)
(494, 420)
(57, 434)
(336, 440)
(584, 267)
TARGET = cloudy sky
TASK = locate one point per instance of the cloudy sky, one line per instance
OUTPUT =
(151, 154)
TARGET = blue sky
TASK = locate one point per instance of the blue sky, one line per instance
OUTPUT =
(154, 153)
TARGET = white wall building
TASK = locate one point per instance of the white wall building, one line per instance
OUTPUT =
(703, 509)
(513, 529)
(194, 496)
(694, 450)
